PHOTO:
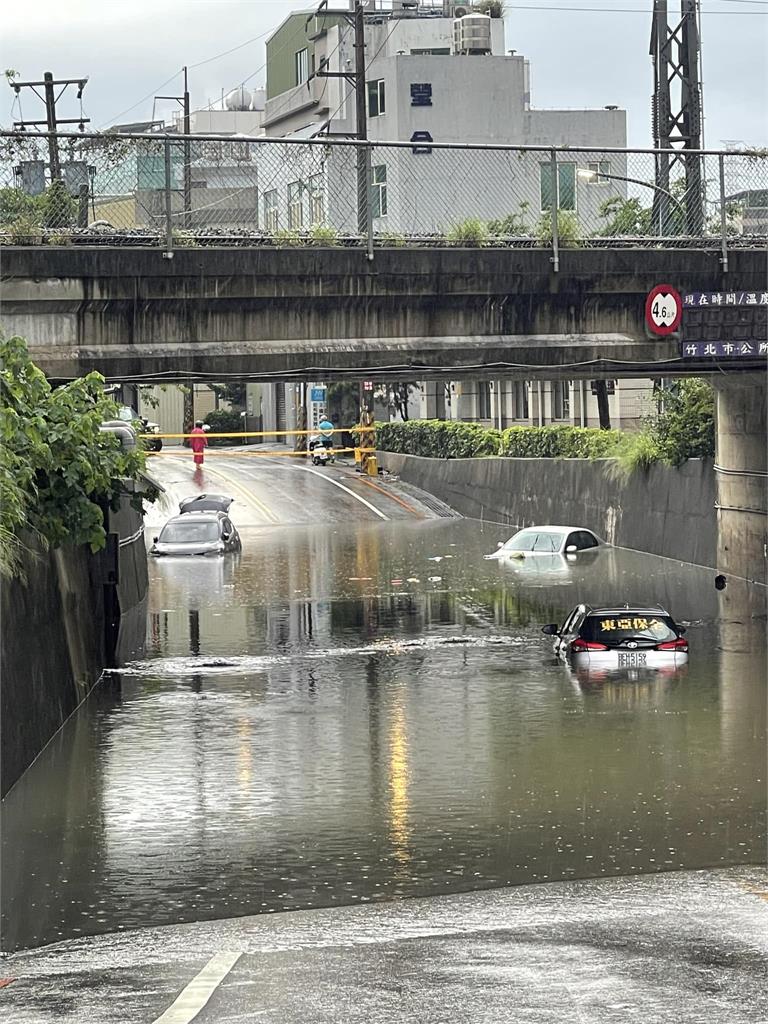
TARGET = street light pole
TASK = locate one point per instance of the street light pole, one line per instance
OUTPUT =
(594, 176)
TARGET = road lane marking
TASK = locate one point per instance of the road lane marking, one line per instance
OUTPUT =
(324, 476)
(258, 504)
(197, 993)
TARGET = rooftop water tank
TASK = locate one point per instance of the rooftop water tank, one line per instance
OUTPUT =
(472, 34)
(238, 99)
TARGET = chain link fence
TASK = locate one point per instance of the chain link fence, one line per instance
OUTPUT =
(170, 191)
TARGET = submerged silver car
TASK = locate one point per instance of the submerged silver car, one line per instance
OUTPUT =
(197, 533)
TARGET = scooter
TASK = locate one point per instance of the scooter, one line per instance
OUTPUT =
(320, 453)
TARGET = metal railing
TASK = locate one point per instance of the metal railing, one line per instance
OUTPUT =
(173, 191)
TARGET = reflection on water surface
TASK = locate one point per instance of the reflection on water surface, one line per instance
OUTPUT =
(350, 714)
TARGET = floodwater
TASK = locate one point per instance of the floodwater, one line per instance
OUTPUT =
(361, 712)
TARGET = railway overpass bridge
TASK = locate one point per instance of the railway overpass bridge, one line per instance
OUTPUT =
(311, 313)
(323, 313)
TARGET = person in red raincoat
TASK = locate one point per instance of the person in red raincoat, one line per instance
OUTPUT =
(198, 442)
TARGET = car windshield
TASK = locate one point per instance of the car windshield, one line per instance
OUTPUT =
(189, 532)
(533, 540)
(614, 627)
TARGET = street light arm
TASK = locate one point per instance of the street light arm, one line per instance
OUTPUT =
(645, 184)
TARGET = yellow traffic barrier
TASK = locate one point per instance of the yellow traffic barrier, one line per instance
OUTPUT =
(266, 433)
(230, 452)
(371, 464)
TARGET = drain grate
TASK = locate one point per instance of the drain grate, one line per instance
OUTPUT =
(429, 501)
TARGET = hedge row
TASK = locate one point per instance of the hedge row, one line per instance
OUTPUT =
(560, 442)
(438, 438)
(443, 440)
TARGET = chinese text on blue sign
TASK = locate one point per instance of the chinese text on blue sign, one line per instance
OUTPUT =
(731, 325)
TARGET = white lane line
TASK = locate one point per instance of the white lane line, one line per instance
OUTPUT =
(315, 472)
(197, 993)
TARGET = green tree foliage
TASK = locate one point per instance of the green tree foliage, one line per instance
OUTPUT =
(397, 396)
(233, 392)
(15, 204)
(685, 428)
(224, 421)
(54, 208)
(57, 470)
(624, 217)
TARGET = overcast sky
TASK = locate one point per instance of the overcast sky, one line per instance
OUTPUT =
(579, 58)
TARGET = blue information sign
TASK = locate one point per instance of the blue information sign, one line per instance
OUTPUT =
(724, 325)
(317, 394)
(421, 94)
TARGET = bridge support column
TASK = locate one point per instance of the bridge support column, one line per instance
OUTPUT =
(741, 465)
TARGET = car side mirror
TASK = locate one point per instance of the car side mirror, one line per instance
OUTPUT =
(551, 630)
(681, 630)
(155, 540)
(571, 549)
(500, 544)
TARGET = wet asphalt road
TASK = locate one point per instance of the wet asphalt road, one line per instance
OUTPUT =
(690, 947)
(359, 709)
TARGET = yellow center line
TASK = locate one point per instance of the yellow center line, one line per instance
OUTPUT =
(257, 503)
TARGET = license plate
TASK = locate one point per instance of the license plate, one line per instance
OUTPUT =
(633, 658)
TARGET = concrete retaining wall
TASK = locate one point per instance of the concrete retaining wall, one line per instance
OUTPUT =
(664, 511)
(74, 614)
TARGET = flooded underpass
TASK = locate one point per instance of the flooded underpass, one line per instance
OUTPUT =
(358, 712)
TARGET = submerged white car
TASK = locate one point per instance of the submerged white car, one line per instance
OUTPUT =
(547, 540)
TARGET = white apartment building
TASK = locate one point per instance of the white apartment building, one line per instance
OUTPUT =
(429, 76)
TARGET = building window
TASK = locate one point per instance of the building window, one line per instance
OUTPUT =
(600, 170)
(316, 199)
(379, 190)
(301, 65)
(483, 400)
(295, 212)
(566, 186)
(376, 104)
(520, 400)
(270, 210)
(561, 399)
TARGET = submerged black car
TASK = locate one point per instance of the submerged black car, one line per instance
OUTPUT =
(619, 637)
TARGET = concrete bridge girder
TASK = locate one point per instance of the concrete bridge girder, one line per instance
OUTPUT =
(277, 312)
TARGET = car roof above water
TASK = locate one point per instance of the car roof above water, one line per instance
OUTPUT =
(197, 517)
(554, 529)
(631, 609)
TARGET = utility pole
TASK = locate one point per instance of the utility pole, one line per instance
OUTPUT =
(187, 156)
(361, 120)
(52, 122)
(183, 100)
(357, 80)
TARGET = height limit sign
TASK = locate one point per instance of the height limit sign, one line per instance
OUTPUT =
(663, 310)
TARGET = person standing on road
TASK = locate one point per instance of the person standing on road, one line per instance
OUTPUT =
(198, 443)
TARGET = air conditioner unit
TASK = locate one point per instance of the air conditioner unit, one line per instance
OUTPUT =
(461, 12)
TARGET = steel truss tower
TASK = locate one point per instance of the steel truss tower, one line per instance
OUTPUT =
(676, 52)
